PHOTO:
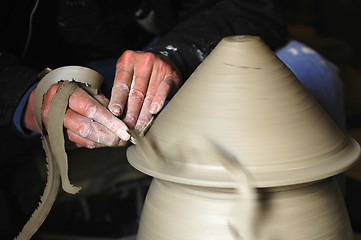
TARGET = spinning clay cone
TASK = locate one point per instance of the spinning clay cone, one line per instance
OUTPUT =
(245, 101)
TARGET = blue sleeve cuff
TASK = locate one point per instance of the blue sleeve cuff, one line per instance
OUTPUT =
(19, 112)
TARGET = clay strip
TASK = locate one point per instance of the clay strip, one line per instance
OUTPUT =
(58, 106)
(53, 140)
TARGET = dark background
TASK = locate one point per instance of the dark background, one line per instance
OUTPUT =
(333, 28)
(110, 206)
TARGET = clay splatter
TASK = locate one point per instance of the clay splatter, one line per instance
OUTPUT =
(171, 48)
(165, 53)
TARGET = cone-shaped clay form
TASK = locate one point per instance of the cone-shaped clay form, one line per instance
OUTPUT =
(313, 211)
(246, 102)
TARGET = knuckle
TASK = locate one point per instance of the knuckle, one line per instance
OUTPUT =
(144, 120)
(149, 97)
(148, 58)
(90, 145)
(168, 81)
(172, 81)
(122, 86)
(114, 142)
(126, 55)
(162, 66)
(137, 94)
(44, 113)
(84, 130)
(90, 110)
(130, 120)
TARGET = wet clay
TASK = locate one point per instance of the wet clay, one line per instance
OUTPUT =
(53, 138)
(243, 152)
(246, 101)
(314, 211)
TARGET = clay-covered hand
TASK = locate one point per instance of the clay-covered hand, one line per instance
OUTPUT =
(87, 121)
(143, 81)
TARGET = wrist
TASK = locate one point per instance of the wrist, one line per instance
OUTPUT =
(28, 119)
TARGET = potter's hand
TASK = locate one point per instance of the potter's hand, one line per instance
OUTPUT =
(143, 81)
(88, 122)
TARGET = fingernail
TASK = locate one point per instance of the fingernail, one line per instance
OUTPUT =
(154, 108)
(140, 126)
(115, 109)
(123, 134)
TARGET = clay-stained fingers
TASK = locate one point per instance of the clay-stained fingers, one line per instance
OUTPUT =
(164, 82)
(143, 65)
(143, 82)
(76, 141)
(82, 103)
(88, 120)
(87, 132)
(102, 99)
(145, 115)
(166, 87)
(122, 83)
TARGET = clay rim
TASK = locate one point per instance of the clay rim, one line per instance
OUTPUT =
(212, 176)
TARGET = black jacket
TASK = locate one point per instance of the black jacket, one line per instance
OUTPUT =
(66, 32)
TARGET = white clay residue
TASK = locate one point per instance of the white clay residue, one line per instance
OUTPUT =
(164, 53)
(132, 83)
(200, 54)
(171, 48)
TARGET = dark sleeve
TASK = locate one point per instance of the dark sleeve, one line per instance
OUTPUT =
(15, 80)
(201, 26)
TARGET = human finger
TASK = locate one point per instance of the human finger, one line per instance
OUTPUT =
(122, 82)
(82, 103)
(89, 133)
(145, 115)
(142, 76)
(78, 141)
(164, 83)
(102, 99)
(167, 88)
